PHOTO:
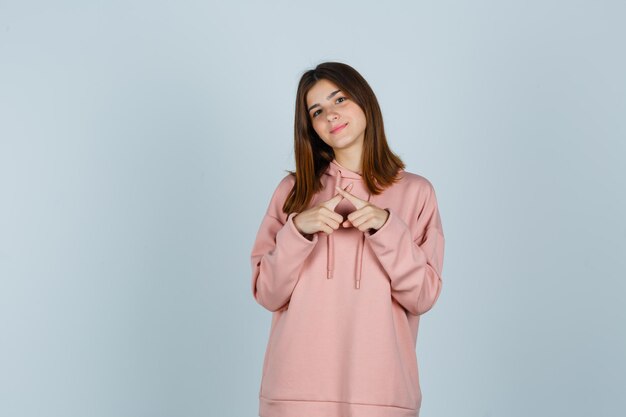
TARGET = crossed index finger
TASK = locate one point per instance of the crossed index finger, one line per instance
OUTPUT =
(358, 203)
(333, 202)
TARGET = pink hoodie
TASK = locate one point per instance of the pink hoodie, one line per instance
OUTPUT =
(346, 306)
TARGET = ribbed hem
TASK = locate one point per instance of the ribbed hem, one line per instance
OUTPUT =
(298, 408)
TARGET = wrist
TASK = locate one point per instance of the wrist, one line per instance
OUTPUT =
(306, 235)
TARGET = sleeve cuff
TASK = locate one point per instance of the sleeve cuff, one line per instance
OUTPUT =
(294, 236)
(393, 227)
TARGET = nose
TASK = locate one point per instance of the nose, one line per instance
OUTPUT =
(332, 115)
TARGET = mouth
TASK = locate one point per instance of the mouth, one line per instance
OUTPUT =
(338, 128)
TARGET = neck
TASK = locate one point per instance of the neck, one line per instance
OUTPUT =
(352, 161)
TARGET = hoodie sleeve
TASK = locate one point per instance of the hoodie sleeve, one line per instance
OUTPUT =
(278, 254)
(414, 265)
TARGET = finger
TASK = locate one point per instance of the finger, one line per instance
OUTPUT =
(358, 203)
(326, 229)
(366, 225)
(331, 214)
(333, 202)
(352, 219)
(356, 218)
(331, 220)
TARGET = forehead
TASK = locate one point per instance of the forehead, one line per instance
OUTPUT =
(320, 90)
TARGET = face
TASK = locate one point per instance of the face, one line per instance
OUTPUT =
(335, 117)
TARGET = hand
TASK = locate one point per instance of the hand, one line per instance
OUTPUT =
(366, 216)
(321, 217)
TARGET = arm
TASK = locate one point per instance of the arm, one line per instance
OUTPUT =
(278, 255)
(414, 265)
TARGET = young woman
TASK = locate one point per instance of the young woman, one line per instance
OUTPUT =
(348, 257)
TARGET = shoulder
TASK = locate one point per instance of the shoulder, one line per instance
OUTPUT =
(281, 191)
(418, 203)
(415, 184)
(284, 186)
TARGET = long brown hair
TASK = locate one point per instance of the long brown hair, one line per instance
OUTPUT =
(312, 154)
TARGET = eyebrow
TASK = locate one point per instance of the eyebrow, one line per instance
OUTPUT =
(327, 98)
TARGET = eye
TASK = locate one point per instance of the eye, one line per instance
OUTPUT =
(340, 98)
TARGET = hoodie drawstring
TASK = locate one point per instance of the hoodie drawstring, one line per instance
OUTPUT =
(359, 255)
(330, 240)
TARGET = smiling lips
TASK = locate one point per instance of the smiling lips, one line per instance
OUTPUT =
(338, 128)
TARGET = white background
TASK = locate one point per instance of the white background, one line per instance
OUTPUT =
(140, 143)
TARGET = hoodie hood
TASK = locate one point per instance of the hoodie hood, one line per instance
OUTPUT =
(337, 172)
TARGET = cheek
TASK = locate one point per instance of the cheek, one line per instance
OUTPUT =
(317, 127)
(358, 111)
(360, 116)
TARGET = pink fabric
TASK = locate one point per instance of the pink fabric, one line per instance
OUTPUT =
(346, 306)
